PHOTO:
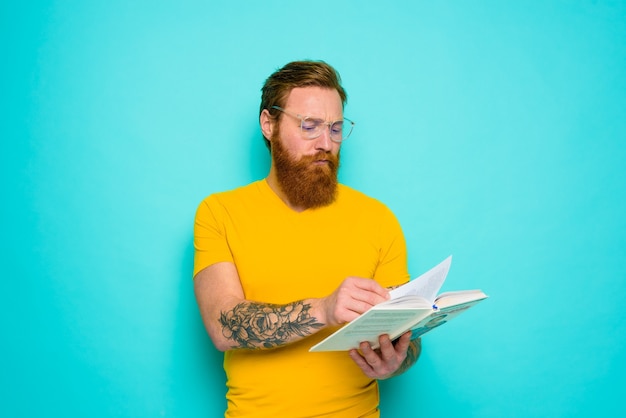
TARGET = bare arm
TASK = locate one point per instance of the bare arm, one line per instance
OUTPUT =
(234, 322)
(412, 354)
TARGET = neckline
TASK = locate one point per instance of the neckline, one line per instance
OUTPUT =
(278, 202)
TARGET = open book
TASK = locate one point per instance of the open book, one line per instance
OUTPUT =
(414, 306)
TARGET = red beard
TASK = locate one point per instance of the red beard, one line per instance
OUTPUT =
(306, 184)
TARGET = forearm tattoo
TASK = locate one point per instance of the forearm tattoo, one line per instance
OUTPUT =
(412, 354)
(260, 325)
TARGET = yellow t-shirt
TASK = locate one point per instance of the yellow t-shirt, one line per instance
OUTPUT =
(284, 256)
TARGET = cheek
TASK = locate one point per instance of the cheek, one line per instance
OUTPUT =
(298, 148)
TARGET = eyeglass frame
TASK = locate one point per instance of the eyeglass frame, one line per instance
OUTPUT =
(320, 122)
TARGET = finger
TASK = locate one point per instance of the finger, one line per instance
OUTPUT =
(356, 305)
(368, 298)
(361, 362)
(372, 286)
(365, 286)
(387, 349)
(354, 296)
(370, 355)
(402, 344)
(358, 288)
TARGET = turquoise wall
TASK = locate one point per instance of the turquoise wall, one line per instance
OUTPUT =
(495, 130)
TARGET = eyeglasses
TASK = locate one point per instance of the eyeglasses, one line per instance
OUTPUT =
(312, 128)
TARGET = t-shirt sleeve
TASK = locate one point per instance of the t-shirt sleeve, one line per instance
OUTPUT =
(210, 239)
(392, 269)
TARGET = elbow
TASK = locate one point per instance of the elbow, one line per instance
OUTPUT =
(221, 345)
(220, 342)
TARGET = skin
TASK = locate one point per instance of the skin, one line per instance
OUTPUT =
(307, 101)
(225, 311)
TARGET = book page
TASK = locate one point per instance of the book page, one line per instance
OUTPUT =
(369, 326)
(454, 298)
(427, 285)
(379, 323)
(442, 316)
(405, 301)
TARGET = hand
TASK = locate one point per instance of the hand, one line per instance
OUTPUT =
(354, 296)
(386, 360)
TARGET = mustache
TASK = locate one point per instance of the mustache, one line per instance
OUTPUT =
(332, 159)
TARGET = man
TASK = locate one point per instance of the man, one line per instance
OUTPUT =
(283, 262)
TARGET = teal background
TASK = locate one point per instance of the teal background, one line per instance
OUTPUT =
(495, 130)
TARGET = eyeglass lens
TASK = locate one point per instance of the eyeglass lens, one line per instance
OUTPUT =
(312, 128)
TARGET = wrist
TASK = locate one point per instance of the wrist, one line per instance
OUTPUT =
(318, 310)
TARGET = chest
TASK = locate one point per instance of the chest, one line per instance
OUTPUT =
(286, 258)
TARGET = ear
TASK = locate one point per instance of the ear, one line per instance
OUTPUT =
(267, 124)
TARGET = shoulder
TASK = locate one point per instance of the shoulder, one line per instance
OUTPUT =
(233, 195)
(217, 205)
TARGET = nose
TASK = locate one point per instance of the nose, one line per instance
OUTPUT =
(323, 142)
